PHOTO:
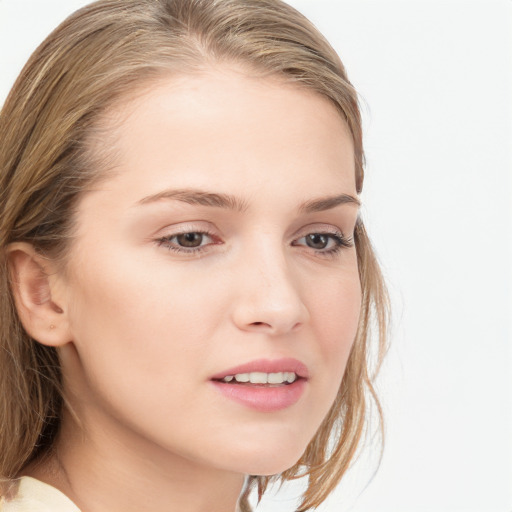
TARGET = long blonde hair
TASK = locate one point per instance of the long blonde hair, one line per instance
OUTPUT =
(99, 56)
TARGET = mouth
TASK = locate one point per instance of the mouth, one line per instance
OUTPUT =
(264, 385)
(273, 379)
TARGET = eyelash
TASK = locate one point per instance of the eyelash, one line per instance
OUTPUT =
(340, 242)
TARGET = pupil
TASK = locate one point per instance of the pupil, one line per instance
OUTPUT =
(190, 239)
(317, 241)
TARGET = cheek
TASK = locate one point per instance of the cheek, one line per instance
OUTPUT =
(334, 318)
(148, 319)
(335, 310)
(137, 338)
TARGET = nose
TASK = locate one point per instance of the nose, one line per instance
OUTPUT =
(268, 297)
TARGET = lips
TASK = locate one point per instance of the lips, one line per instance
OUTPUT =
(264, 385)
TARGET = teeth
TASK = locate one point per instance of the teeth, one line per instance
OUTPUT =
(263, 378)
(276, 378)
(290, 377)
(258, 378)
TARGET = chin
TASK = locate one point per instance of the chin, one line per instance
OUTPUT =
(268, 460)
(274, 465)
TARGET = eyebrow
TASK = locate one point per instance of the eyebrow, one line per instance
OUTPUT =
(329, 202)
(230, 202)
(200, 197)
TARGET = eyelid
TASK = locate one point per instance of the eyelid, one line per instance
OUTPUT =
(320, 227)
(192, 226)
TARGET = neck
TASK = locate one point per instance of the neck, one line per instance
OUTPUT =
(114, 473)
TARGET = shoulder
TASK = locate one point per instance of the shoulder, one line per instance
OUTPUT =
(30, 495)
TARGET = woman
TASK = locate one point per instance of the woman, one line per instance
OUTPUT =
(187, 287)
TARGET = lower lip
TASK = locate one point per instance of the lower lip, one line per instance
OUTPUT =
(263, 398)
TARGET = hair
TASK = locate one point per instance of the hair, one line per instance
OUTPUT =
(49, 123)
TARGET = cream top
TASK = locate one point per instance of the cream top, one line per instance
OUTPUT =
(31, 495)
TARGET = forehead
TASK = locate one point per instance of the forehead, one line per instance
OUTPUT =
(225, 124)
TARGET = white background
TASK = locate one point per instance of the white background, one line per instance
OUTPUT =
(436, 82)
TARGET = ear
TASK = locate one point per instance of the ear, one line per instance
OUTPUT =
(38, 296)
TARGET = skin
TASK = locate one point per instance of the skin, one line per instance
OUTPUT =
(141, 328)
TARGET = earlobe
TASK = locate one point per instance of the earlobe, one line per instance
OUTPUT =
(41, 312)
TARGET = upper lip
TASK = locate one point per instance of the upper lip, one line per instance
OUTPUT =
(267, 366)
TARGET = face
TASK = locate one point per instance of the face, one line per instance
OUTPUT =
(220, 252)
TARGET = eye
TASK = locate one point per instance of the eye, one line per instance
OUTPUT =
(318, 240)
(324, 243)
(190, 241)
